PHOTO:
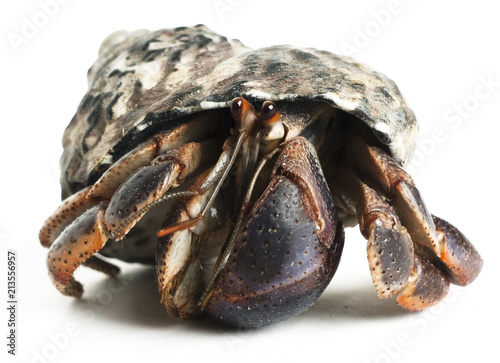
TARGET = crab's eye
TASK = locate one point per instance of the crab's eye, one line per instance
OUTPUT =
(236, 106)
(244, 114)
(272, 127)
(269, 113)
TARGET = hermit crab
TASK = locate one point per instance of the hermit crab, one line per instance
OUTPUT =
(235, 171)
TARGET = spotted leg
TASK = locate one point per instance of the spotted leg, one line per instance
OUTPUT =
(76, 245)
(395, 267)
(190, 132)
(88, 232)
(390, 248)
(441, 252)
(187, 134)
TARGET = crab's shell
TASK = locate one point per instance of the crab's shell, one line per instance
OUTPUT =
(145, 81)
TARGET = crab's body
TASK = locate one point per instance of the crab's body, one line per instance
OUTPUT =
(250, 162)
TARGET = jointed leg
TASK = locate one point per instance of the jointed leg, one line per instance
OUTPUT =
(411, 253)
(394, 265)
(74, 246)
(435, 239)
(80, 228)
(62, 217)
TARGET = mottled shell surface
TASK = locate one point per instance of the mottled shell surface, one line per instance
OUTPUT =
(144, 81)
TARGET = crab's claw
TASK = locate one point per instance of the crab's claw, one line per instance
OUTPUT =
(287, 250)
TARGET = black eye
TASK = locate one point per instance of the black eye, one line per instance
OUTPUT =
(269, 112)
(236, 106)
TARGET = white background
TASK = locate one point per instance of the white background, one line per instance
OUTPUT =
(439, 53)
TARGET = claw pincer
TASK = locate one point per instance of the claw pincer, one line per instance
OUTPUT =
(288, 249)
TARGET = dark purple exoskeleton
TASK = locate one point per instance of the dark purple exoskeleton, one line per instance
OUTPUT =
(288, 250)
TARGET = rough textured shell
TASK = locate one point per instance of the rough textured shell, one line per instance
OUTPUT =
(143, 81)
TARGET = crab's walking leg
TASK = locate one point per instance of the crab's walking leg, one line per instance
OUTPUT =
(62, 217)
(426, 286)
(89, 232)
(160, 173)
(443, 245)
(75, 246)
(394, 266)
(98, 264)
(195, 130)
(389, 249)
(457, 253)
(145, 153)
(441, 253)
(147, 186)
